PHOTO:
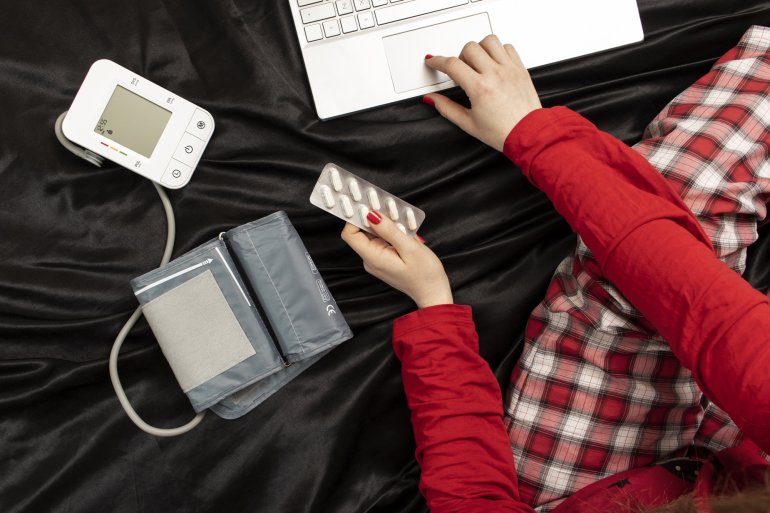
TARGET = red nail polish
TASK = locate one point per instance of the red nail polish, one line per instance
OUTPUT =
(373, 217)
(429, 101)
(429, 56)
(419, 237)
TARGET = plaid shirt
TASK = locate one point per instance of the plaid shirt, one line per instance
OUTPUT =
(597, 391)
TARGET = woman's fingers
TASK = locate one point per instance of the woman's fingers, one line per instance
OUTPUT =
(401, 261)
(477, 57)
(357, 240)
(496, 82)
(387, 230)
(462, 74)
(494, 48)
(513, 55)
(388, 238)
(368, 247)
(451, 110)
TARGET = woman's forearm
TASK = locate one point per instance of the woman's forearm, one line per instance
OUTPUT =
(457, 414)
(652, 248)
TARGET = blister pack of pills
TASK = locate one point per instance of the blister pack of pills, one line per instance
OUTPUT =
(351, 198)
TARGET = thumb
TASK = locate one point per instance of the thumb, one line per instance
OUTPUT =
(387, 230)
(451, 110)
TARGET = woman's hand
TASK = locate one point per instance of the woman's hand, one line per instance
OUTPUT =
(497, 84)
(401, 261)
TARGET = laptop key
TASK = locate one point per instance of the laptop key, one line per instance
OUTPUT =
(317, 13)
(344, 7)
(366, 20)
(331, 28)
(349, 24)
(313, 33)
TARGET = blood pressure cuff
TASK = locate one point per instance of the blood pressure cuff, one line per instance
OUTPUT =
(242, 315)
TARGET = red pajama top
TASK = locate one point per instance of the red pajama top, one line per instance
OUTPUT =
(597, 390)
(649, 244)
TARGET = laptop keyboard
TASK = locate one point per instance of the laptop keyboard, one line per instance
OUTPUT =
(330, 18)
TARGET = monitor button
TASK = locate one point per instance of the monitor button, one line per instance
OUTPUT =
(201, 125)
(177, 174)
(189, 149)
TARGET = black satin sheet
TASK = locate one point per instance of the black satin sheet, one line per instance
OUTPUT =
(337, 439)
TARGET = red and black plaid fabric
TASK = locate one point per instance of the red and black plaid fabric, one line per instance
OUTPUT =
(597, 391)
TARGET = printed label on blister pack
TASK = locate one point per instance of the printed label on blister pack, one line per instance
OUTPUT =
(351, 198)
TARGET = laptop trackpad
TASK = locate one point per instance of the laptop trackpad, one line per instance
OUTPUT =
(406, 51)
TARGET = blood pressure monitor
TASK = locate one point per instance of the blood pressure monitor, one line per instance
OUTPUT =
(133, 122)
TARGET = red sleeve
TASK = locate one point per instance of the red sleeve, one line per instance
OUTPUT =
(457, 414)
(652, 248)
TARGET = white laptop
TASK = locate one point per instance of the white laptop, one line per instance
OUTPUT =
(361, 54)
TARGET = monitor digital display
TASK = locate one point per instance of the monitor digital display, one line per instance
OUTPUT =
(132, 121)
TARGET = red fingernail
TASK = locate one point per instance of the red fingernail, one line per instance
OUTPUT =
(429, 56)
(428, 100)
(420, 238)
(373, 217)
